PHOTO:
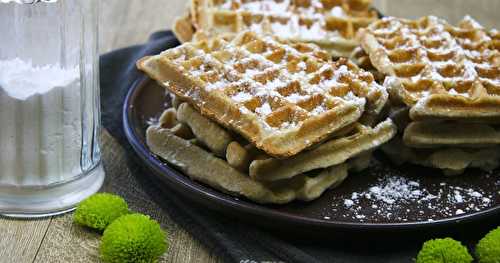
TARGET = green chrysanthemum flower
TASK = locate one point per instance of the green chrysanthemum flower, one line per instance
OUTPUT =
(488, 248)
(133, 238)
(444, 250)
(100, 210)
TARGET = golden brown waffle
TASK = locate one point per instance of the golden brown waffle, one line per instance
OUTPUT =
(331, 24)
(447, 145)
(441, 71)
(282, 98)
(360, 58)
(204, 167)
(350, 143)
(193, 144)
(452, 161)
(353, 141)
(192, 153)
(332, 152)
(183, 29)
(431, 134)
(209, 133)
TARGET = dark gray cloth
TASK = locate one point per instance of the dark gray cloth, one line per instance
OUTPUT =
(234, 241)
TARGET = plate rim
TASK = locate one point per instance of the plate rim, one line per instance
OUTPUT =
(221, 202)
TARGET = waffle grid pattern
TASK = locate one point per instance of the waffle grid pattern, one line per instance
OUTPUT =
(332, 24)
(432, 63)
(280, 89)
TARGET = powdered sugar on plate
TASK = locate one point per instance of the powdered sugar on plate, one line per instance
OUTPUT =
(396, 197)
(393, 189)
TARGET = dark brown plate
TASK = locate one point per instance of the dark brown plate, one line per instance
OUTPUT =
(470, 197)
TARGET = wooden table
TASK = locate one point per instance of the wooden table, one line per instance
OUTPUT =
(127, 22)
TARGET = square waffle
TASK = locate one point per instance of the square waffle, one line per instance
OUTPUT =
(451, 146)
(451, 160)
(185, 153)
(432, 134)
(360, 139)
(282, 98)
(208, 153)
(439, 70)
(331, 24)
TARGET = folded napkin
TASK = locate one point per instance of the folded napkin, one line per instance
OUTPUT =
(232, 240)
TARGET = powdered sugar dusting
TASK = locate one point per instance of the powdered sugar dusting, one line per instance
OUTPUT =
(271, 76)
(395, 197)
(152, 121)
(296, 97)
(264, 109)
(289, 20)
(449, 58)
(217, 85)
(338, 12)
(242, 96)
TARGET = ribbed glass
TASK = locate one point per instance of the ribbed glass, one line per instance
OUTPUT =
(48, 136)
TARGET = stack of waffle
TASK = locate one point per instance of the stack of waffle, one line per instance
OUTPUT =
(330, 24)
(444, 86)
(267, 120)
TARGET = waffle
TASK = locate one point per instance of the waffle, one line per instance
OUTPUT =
(452, 161)
(439, 70)
(190, 152)
(351, 142)
(447, 145)
(203, 166)
(433, 134)
(210, 134)
(282, 98)
(361, 162)
(332, 152)
(360, 58)
(331, 24)
(183, 29)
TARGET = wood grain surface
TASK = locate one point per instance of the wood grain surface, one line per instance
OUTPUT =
(129, 22)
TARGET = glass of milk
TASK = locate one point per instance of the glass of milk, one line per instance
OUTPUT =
(49, 106)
